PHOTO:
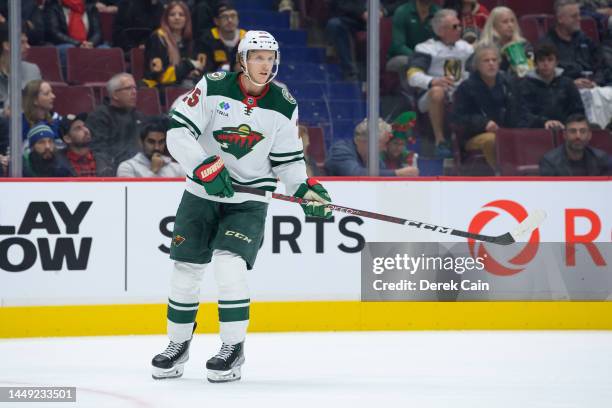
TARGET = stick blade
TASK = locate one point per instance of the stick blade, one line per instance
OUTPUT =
(533, 221)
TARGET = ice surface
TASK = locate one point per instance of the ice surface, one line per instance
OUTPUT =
(450, 369)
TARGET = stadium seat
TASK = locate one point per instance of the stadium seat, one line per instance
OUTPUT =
(344, 90)
(137, 61)
(147, 100)
(264, 20)
(347, 110)
(173, 93)
(313, 13)
(534, 26)
(314, 112)
(601, 139)
(522, 7)
(47, 59)
(93, 66)
(307, 90)
(519, 150)
(302, 71)
(73, 99)
(316, 148)
(290, 38)
(106, 24)
(589, 27)
(343, 129)
(301, 55)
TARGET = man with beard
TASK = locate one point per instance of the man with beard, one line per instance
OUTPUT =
(81, 160)
(575, 157)
(151, 162)
(42, 160)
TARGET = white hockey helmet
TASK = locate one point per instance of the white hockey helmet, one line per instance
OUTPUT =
(258, 40)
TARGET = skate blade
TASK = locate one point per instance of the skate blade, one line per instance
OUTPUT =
(163, 374)
(215, 376)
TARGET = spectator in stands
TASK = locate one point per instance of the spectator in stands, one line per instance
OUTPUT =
(436, 69)
(473, 17)
(73, 23)
(37, 104)
(502, 29)
(29, 71)
(219, 45)
(151, 161)
(32, 18)
(114, 124)
(581, 61)
(135, 21)
(411, 26)
(486, 101)
(346, 17)
(350, 157)
(549, 96)
(169, 50)
(203, 17)
(81, 161)
(396, 154)
(601, 12)
(575, 157)
(42, 159)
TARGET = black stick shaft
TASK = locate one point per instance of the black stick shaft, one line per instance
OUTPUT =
(505, 239)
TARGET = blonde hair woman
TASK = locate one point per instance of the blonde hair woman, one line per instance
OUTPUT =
(502, 30)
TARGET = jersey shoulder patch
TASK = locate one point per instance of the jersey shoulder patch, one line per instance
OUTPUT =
(216, 76)
(288, 96)
(280, 100)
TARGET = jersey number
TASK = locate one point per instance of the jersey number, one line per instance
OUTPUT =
(193, 99)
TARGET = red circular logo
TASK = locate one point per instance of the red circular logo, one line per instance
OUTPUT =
(519, 213)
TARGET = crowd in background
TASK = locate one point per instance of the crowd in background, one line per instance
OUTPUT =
(462, 68)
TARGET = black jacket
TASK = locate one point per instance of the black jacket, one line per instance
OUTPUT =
(57, 27)
(134, 22)
(556, 162)
(475, 105)
(579, 55)
(550, 101)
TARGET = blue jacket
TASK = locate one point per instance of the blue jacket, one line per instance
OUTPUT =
(343, 160)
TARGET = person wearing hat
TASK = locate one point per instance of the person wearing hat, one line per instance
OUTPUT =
(220, 43)
(82, 161)
(42, 159)
(397, 155)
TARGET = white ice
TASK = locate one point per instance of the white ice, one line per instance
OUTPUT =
(450, 369)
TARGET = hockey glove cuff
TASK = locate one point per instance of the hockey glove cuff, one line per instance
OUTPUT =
(317, 195)
(215, 178)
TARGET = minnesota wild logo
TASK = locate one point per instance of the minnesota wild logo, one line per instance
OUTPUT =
(238, 141)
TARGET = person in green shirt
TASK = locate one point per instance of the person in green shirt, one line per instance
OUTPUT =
(411, 26)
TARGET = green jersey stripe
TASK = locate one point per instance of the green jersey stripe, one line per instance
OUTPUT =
(174, 303)
(181, 316)
(257, 181)
(233, 302)
(186, 119)
(278, 163)
(287, 154)
(237, 314)
(179, 121)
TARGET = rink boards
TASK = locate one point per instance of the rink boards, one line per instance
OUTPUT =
(91, 257)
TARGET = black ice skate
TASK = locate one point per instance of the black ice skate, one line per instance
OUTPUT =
(225, 366)
(171, 362)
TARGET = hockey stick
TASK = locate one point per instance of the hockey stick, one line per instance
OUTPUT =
(529, 224)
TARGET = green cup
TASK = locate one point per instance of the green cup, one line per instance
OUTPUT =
(515, 52)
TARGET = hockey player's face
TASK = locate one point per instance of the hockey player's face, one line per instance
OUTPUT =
(260, 64)
(176, 19)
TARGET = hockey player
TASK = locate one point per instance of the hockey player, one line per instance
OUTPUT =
(233, 128)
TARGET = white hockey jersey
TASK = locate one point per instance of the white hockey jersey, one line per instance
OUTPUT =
(257, 137)
(434, 59)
